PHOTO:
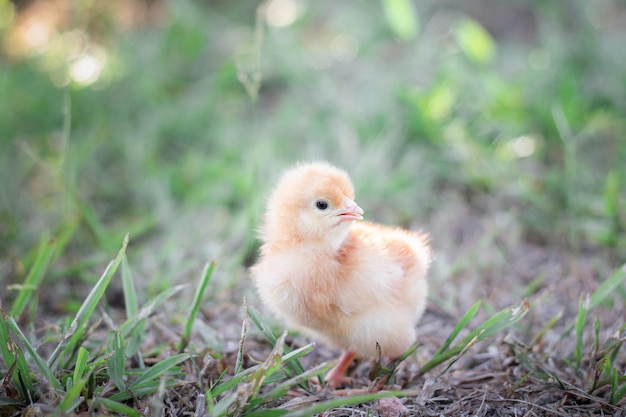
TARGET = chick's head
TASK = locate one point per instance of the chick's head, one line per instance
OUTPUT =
(312, 202)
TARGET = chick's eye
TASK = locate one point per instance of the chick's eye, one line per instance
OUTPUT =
(321, 204)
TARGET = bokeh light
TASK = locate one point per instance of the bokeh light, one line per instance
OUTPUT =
(283, 13)
(524, 146)
(33, 29)
(87, 68)
(39, 32)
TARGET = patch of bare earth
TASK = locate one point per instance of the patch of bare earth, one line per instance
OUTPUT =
(486, 256)
(520, 372)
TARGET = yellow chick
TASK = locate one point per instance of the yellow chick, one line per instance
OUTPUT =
(351, 284)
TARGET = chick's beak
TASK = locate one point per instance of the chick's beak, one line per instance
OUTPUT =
(350, 211)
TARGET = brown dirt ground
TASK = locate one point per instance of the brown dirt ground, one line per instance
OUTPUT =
(500, 266)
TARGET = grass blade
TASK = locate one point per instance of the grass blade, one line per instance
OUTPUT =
(243, 376)
(390, 370)
(133, 323)
(499, 321)
(618, 395)
(130, 294)
(35, 276)
(345, 401)
(197, 301)
(150, 381)
(72, 398)
(79, 324)
(14, 361)
(494, 324)
(271, 365)
(298, 353)
(282, 388)
(294, 365)
(147, 388)
(132, 308)
(81, 363)
(119, 408)
(242, 341)
(550, 324)
(116, 363)
(583, 308)
(607, 288)
(459, 326)
(247, 393)
(222, 406)
(41, 364)
(159, 369)
(254, 314)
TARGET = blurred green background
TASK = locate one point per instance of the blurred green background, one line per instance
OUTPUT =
(172, 119)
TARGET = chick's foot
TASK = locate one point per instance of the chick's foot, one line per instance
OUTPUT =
(336, 377)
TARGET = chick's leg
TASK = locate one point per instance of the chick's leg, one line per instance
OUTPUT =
(337, 376)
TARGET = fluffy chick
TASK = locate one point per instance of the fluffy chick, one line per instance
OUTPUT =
(351, 284)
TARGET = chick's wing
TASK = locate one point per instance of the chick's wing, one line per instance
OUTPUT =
(381, 266)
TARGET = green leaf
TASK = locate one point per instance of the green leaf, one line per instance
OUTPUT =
(79, 324)
(583, 308)
(119, 408)
(130, 295)
(474, 40)
(132, 309)
(607, 288)
(150, 380)
(345, 401)
(294, 365)
(35, 276)
(132, 324)
(222, 406)
(618, 395)
(146, 388)
(197, 302)
(402, 18)
(14, 361)
(245, 375)
(41, 364)
(390, 370)
(72, 398)
(242, 341)
(116, 363)
(500, 321)
(614, 385)
(281, 389)
(159, 369)
(459, 326)
(494, 324)
(254, 314)
(550, 324)
(81, 363)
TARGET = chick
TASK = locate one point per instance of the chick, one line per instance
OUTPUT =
(348, 283)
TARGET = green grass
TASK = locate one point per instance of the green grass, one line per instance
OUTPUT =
(507, 146)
